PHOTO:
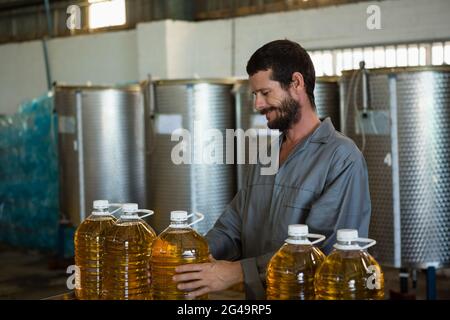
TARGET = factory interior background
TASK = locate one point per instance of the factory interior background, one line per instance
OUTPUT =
(129, 67)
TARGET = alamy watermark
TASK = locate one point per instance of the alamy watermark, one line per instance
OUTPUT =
(211, 147)
(373, 282)
(74, 20)
(73, 281)
(373, 21)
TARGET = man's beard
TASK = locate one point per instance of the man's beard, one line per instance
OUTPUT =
(289, 113)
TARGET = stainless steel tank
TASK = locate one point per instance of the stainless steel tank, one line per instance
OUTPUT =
(195, 186)
(326, 95)
(402, 125)
(101, 147)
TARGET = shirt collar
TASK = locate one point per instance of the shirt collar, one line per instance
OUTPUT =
(323, 132)
(320, 135)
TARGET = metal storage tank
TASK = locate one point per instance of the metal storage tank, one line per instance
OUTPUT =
(101, 142)
(195, 105)
(326, 95)
(404, 133)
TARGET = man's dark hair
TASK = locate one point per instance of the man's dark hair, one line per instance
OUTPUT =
(284, 57)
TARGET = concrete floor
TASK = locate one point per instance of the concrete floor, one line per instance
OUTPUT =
(27, 275)
(32, 275)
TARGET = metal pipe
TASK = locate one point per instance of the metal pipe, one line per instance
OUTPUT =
(364, 84)
(414, 279)
(431, 283)
(80, 150)
(44, 45)
(47, 64)
(395, 158)
(404, 276)
(49, 18)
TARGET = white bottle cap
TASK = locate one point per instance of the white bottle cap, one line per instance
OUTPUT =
(178, 216)
(101, 204)
(297, 230)
(346, 235)
(130, 207)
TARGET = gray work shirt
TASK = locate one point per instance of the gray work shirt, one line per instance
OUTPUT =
(323, 183)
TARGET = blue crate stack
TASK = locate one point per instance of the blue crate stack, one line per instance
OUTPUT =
(29, 176)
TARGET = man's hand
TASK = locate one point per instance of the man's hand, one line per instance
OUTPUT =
(203, 278)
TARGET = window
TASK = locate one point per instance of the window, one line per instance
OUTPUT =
(402, 56)
(437, 53)
(327, 63)
(368, 57)
(424, 50)
(391, 57)
(104, 13)
(333, 62)
(339, 61)
(357, 57)
(447, 52)
(316, 58)
(348, 59)
(413, 55)
(379, 57)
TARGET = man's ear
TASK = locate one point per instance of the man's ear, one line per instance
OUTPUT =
(297, 84)
(297, 80)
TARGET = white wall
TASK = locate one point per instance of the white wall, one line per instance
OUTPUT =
(200, 49)
(22, 74)
(179, 49)
(101, 58)
(152, 49)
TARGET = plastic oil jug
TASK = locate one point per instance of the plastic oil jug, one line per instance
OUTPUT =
(291, 271)
(349, 272)
(177, 245)
(128, 248)
(89, 250)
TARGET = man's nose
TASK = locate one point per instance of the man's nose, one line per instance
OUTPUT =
(259, 102)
